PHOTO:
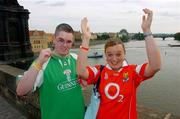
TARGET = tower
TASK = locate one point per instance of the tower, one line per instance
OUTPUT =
(14, 41)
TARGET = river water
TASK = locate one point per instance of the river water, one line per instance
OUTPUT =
(162, 92)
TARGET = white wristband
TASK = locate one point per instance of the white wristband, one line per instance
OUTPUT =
(146, 34)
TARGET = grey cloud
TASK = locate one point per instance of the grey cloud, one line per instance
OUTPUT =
(174, 16)
(168, 14)
(58, 3)
(131, 1)
(50, 3)
(130, 12)
(40, 2)
(108, 2)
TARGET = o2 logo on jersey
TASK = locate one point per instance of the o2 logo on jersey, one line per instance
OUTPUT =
(116, 95)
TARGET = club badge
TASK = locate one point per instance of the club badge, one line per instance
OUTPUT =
(67, 72)
(125, 77)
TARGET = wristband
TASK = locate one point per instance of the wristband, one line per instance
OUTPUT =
(37, 66)
(84, 48)
(146, 34)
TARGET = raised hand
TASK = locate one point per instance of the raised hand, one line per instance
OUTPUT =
(147, 20)
(44, 55)
(86, 34)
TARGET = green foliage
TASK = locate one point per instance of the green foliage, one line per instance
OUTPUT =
(123, 35)
(177, 36)
(138, 36)
(123, 31)
(103, 37)
(124, 38)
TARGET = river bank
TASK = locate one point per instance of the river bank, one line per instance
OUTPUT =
(92, 43)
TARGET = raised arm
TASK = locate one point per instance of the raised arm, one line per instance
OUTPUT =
(153, 53)
(82, 61)
(26, 83)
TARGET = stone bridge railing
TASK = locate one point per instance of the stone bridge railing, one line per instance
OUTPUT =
(29, 105)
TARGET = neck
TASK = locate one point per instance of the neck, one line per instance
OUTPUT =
(117, 69)
(114, 69)
(61, 55)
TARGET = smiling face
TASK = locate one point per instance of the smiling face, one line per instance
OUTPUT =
(115, 55)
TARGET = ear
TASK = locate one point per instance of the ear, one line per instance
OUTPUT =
(53, 42)
(54, 38)
(73, 44)
(53, 46)
(105, 58)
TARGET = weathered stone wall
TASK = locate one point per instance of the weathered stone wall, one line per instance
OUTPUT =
(29, 105)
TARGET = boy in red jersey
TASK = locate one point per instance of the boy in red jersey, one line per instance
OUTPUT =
(119, 81)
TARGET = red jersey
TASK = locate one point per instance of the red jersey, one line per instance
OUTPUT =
(117, 90)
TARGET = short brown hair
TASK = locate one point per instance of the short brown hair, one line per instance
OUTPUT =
(64, 27)
(112, 42)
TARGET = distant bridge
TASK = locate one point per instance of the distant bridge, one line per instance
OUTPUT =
(163, 36)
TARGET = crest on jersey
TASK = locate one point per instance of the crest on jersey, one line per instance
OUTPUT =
(125, 77)
(67, 72)
(65, 63)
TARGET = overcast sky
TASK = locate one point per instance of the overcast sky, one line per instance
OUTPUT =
(103, 15)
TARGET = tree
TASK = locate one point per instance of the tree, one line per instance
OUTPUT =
(123, 35)
(177, 36)
(104, 36)
(124, 38)
(138, 36)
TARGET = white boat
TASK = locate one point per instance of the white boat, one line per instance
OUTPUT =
(174, 45)
(95, 55)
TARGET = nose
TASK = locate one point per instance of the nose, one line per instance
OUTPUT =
(65, 43)
(114, 58)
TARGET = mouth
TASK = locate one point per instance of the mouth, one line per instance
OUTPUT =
(64, 49)
(114, 63)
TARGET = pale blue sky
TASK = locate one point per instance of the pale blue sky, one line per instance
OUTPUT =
(103, 15)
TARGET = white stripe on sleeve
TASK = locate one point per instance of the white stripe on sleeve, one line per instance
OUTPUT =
(39, 78)
(138, 68)
(74, 55)
(95, 71)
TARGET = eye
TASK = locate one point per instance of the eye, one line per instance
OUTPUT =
(61, 40)
(118, 55)
(69, 41)
(109, 55)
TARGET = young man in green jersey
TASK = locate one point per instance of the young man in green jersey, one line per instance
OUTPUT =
(54, 73)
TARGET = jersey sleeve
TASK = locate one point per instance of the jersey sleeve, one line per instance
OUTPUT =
(40, 78)
(94, 73)
(139, 73)
(74, 55)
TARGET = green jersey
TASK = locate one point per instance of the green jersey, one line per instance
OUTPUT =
(60, 93)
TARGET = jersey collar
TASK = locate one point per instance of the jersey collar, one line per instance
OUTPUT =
(125, 63)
